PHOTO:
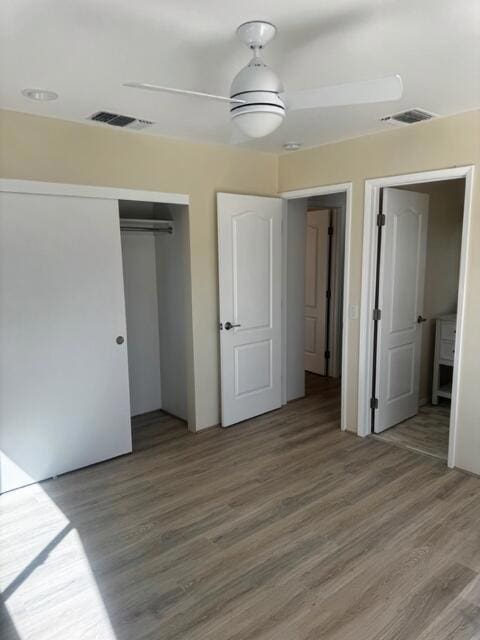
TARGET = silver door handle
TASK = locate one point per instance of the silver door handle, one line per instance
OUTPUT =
(229, 325)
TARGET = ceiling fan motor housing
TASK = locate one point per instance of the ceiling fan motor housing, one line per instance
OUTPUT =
(260, 87)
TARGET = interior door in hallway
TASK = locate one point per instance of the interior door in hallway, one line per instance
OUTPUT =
(249, 264)
(317, 290)
(401, 287)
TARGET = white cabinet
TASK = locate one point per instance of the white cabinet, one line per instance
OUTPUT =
(445, 332)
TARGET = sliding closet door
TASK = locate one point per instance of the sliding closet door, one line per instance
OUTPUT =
(64, 399)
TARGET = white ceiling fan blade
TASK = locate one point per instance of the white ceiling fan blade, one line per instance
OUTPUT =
(156, 87)
(364, 92)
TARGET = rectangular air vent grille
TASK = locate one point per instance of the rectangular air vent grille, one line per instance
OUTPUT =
(412, 116)
(117, 120)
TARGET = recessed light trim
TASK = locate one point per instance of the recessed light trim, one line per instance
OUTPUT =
(40, 95)
(292, 146)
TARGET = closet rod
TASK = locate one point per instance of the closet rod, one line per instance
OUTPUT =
(155, 230)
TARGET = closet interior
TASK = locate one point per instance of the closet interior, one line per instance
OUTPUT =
(154, 238)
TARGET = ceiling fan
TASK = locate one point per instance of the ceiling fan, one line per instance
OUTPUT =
(258, 103)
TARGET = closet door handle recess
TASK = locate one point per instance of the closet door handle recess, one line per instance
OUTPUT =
(120, 340)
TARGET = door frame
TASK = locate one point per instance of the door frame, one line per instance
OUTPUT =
(323, 190)
(367, 293)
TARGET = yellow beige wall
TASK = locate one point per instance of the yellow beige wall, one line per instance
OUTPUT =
(35, 148)
(442, 143)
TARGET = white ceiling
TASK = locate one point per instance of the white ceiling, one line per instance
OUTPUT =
(85, 49)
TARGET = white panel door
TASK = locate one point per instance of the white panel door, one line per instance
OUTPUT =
(316, 284)
(64, 399)
(401, 287)
(249, 263)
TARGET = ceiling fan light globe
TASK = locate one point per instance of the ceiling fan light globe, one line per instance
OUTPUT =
(256, 76)
(258, 124)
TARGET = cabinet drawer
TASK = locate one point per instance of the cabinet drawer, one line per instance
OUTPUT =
(447, 331)
(447, 350)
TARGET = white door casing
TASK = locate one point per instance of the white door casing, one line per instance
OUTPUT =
(316, 284)
(401, 289)
(337, 301)
(249, 263)
(64, 393)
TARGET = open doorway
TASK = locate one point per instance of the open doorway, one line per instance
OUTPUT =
(415, 250)
(324, 257)
(316, 224)
(155, 258)
(417, 293)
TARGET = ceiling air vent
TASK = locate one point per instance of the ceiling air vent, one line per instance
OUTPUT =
(412, 116)
(117, 120)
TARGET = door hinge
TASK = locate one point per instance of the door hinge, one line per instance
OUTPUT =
(327, 355)
(330, 230)
(377, 314)
(381, 220)
(373, 403)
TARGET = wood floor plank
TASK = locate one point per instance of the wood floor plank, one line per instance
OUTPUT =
(280, 528)
(427, 432)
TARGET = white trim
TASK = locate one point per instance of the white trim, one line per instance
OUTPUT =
(88, 191)
(316, 191)
(284, 306)
(462, 287)
(344, 187)
(372, 191)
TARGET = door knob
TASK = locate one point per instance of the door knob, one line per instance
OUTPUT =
(229, 325)
(421, 319)
(120, 340)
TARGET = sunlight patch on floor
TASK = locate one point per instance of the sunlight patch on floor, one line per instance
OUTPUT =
(48, 569)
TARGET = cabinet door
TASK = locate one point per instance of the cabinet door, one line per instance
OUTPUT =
(64, 400)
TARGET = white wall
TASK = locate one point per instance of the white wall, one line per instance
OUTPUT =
(173, 281)
(294, 297)
(141, 302)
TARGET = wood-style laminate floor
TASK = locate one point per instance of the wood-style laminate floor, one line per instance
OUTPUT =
(281, 528)
(427, 432)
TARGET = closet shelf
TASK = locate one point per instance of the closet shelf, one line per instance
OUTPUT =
(150, 224)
